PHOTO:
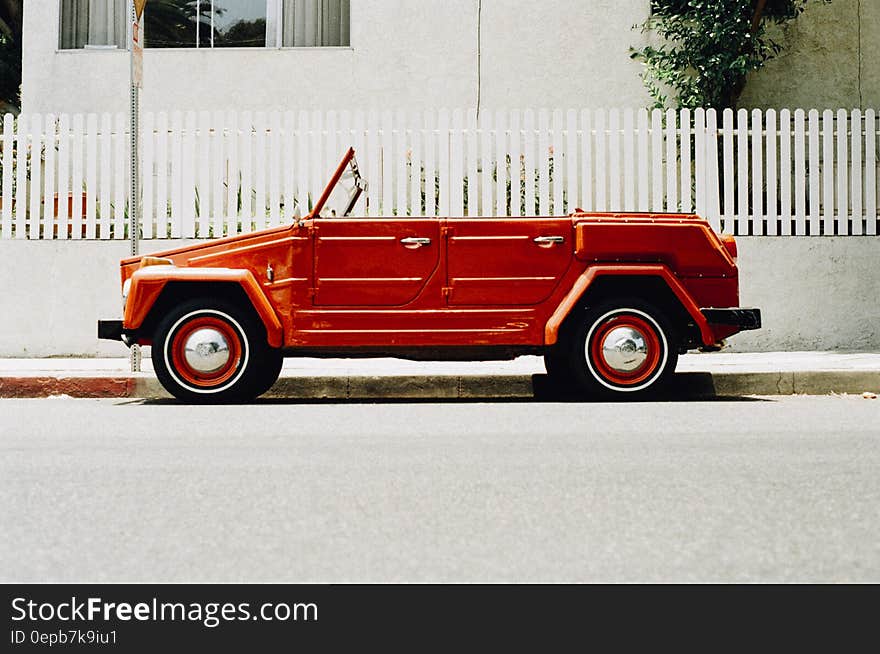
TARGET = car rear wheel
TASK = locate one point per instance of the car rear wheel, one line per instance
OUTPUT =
(211, 350)
(624, 348)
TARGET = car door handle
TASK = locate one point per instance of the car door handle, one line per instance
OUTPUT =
(412, 241)
(549, 239)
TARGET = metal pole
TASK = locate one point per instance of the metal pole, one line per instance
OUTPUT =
(134, 180)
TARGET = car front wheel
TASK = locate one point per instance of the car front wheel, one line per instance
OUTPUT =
(624, 348)
(210, 350)
(270, 370)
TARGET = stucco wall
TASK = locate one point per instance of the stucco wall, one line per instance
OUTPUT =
(829, 60)
(413, 55)
(815, 293)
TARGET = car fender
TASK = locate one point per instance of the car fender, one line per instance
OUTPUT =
(580, 286)
(147, 285)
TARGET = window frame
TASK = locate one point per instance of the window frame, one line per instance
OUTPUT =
(126, 47)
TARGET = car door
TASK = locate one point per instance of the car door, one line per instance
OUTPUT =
(373, 262)
(506, 261)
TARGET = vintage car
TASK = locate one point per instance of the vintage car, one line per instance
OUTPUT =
(609, 299)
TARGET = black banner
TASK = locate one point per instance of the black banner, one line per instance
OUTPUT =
(129, 618)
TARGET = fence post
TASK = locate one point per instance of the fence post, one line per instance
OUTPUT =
(828, 172)
(642, 127)
(771, 174)
(8, 141)
(757, 185)
(814, 172)
(415, 165)
(686, 175)
(63, 175)
(430, 123)
(515, 170)
(258, 214)
(49, 178)
(485, 124)
(730, 223)
(629, 177)
(614, 160)
(36, 187)
(387, 145)
(871, 172)
(856, 172)
(656, 161)
(671, 161)
(700, 160)
(104, 180)
(600, 161)
(800, 174)
(529, 161)
(274, 166)
(543, 163)
(842, 186)
(21, 182)
(713, 195)
(785, 171)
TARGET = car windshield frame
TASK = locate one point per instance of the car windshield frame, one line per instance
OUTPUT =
(347, 169)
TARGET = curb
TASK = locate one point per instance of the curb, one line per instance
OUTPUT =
(455, 387)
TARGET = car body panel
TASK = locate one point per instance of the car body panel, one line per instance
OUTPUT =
(373, 263)
(551, 330)
(148, 283)
(497, 261)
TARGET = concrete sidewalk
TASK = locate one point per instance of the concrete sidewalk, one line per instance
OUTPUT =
(698, 375)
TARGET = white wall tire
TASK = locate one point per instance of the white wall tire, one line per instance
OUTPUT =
(208, 351)
(624, 348)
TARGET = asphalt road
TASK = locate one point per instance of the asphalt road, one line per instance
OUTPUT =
(781, 489)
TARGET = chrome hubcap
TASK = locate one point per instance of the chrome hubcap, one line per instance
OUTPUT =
(206, 350)
(625, 349)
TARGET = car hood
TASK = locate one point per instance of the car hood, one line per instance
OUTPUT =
(181, 256)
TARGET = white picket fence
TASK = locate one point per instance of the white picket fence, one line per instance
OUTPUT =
(211, 174)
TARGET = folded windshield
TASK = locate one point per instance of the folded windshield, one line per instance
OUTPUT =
(343, 191)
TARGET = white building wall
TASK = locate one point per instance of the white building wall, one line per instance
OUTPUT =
(412, 55)
(406, 55)
(560, 54)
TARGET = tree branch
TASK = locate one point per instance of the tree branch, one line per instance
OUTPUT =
(757, 15)
(11, 10)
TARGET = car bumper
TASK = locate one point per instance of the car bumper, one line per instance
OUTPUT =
(744, 319)
(112, 330)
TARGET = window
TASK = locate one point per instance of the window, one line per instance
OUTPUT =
(206, 23)
(239, 23)
(315, 22)
(246, 23)
(93, 24)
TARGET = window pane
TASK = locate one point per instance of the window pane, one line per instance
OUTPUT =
(240, 23)
(316, 23)
(92, 23)
(172, 23)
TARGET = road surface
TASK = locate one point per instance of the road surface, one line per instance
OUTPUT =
(755, 489)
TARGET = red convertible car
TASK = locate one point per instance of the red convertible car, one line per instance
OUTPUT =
(609, 299)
